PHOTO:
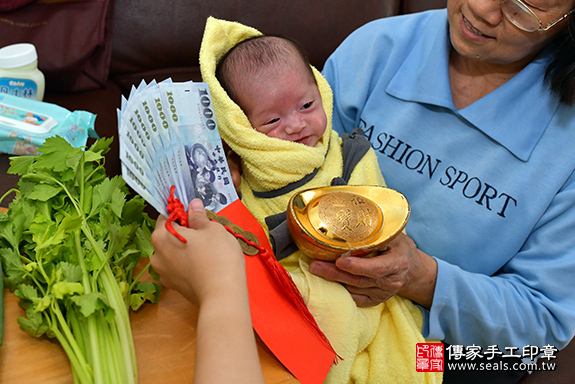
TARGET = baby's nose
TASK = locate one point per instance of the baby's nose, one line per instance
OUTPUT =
(295, 125)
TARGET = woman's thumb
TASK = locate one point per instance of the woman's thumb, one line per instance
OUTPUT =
(196, 214)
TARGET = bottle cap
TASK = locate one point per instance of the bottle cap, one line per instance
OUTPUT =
(17, 55)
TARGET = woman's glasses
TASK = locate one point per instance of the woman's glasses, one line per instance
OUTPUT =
(524, 18)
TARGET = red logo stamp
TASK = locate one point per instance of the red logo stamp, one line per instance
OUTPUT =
(429, 357)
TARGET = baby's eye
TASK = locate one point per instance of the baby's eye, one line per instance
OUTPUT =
(307, 105)
(271, 121)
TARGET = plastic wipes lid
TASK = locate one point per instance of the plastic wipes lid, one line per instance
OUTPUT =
(25, 124)
(17, 55)
(24, 120)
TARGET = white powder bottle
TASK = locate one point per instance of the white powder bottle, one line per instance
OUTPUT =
(19, 73)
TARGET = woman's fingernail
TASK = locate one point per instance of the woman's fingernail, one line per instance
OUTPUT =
(343, 262)
(315, 268)
(197, 205)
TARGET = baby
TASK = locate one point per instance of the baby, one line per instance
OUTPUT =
(274, 111)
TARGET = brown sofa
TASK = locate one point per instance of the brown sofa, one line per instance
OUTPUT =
(160, 39)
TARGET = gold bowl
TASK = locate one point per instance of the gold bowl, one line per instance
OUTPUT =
(353, 220)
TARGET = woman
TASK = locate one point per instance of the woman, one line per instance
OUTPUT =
(470, 110)
(215, 281)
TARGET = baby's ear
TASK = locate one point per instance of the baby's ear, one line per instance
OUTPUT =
(235, 166)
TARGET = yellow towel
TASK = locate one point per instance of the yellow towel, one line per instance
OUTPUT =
(378, 343)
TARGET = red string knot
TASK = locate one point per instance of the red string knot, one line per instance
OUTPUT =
(177, 214)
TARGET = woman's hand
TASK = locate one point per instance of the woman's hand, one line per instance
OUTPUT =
(211, 263)
(209, 271)
(401, 269)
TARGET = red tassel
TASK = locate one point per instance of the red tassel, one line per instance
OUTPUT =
(288, 287)
(177, 214)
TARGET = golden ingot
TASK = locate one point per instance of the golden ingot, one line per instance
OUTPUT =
(354, 220)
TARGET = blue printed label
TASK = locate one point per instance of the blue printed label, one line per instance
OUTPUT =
(19, 87)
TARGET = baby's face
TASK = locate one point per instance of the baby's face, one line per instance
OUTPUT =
(285, 105)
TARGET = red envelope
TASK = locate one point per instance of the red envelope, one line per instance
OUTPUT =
(279, 315)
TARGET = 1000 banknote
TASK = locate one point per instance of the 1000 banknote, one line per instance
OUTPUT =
(169, 137)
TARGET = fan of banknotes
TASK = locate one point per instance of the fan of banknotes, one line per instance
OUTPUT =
(168, 137)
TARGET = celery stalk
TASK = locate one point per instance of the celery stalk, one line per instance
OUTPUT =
(68, 243)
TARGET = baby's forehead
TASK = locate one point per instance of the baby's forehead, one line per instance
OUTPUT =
(272, 80)
(270, 77)
(266, 51)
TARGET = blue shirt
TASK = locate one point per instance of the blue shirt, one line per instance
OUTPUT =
(492, 186)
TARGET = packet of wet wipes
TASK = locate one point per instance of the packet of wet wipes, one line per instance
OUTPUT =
(25, 124)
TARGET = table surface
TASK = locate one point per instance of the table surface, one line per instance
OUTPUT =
(164, 338)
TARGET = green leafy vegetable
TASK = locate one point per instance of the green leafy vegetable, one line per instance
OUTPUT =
(1, 304)
(68, 246)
